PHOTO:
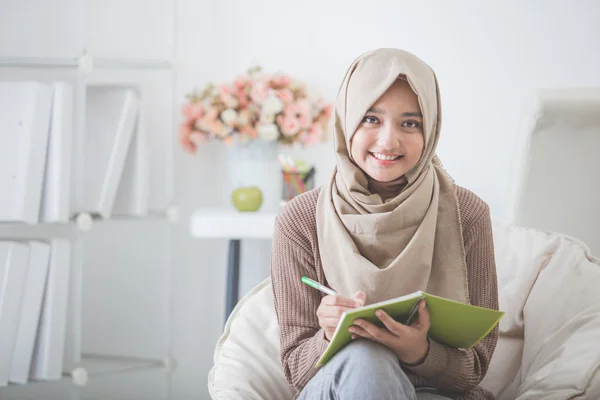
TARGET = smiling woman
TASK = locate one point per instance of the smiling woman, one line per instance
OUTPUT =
(389, 222)
(389, 140)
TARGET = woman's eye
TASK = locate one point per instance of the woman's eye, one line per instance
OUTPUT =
(370, 120)
(411, 124)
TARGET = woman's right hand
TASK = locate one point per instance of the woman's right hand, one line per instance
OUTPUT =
(332, 307)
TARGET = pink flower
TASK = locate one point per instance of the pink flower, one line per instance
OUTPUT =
(185, 140)
(205, 123)
(212, 114)
(314, 135)
(186, 110)
(225, 89)
(285, 95)
(249, 130)
(290, 110)
(239, 83)
(197, 138)
(193, 111)
(328, 110)
(282, 80)
(218, 128)
(303, 107)
(290, 126)
(280, 120)
(242, 98)
(304, 113)
(305, 120)
(229, 100)
(259, 92)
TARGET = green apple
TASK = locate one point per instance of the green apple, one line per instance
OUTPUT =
(248, 198)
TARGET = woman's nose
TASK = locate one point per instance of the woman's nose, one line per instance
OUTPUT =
(388, 137)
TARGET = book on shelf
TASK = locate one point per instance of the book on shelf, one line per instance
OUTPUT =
(56, 198)
(111, 113)
(25, 108)
(14, 262)
(35, 283)
(133, 191)
(47, 360)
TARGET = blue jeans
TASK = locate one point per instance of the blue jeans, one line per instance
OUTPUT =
(364, 370)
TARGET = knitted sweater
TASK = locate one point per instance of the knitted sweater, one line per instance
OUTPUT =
(295, 252)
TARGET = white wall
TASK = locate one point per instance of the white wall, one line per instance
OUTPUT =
(487, 55)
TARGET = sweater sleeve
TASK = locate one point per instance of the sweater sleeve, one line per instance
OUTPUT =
(461, 370)
(302, 341)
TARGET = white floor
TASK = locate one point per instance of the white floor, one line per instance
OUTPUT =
(110, 380)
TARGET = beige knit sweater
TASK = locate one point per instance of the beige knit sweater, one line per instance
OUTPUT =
(295, 253)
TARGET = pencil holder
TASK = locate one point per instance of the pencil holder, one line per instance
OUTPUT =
(295, 183)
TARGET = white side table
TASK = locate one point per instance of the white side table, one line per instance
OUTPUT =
(234, 226)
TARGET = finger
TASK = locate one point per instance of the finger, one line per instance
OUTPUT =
(332, 311)
(376, 333)
(339, 301)
(424, 321)
(359, 332)
(360, 296)
(392, 325)
(328, 323)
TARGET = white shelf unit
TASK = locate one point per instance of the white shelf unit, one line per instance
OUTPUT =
(89, 44)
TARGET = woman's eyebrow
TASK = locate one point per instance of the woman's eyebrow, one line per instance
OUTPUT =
(377, 110)
(412, 114)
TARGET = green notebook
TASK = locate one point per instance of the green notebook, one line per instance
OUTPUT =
(453, 323)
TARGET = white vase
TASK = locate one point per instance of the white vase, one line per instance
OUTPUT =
(255, 164)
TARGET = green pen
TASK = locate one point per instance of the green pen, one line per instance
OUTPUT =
(318, 286)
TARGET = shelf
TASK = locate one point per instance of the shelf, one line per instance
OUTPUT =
(35, 62)
(76, 227)
(107, 379)
(99, 365)
(15, 230)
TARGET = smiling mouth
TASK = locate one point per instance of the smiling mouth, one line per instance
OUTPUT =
(385, 157)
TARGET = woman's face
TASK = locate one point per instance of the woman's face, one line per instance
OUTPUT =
(389, 140)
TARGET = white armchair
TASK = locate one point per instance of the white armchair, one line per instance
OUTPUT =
(549, 346)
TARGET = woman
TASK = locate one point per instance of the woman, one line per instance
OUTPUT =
(390, 222)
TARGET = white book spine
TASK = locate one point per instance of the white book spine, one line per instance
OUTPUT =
(49, 349)
(37, 273)
(72, 353)
(35, 144)
(24, 122)
(57, 183)
(13, 274)
(116, 162)
(132, 195)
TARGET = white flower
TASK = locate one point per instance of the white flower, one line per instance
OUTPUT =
(229, 116)
(243, 119)
(272, 105)
(267, 118)
(295, 84)
(268, 132)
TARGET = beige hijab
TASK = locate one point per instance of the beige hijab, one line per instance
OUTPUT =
(412, 241)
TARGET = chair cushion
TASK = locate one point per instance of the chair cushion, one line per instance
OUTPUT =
(246, 359)
(548, 337)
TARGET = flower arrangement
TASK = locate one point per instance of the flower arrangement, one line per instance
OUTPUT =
(273, 108)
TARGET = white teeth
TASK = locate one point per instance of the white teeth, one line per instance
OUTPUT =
(384, 157)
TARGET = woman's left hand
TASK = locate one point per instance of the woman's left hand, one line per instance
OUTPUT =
(410, 343)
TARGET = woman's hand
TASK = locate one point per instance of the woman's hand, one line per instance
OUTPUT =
(410, 343)
(332, 307)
